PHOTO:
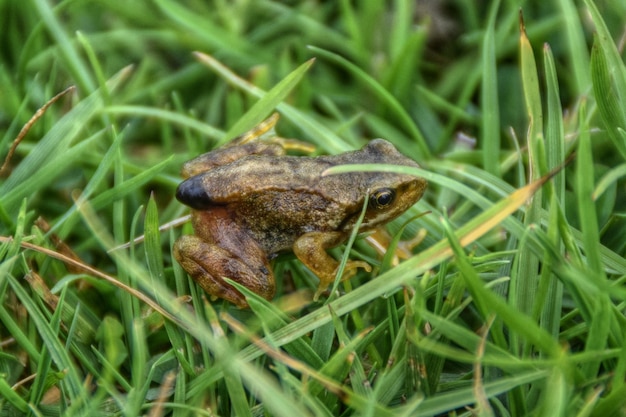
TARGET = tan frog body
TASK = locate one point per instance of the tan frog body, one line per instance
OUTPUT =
(250, 201)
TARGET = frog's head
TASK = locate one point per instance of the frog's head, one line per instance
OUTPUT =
(392, 198)
(389, 194)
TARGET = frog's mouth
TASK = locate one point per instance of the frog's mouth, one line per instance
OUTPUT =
(192, 193)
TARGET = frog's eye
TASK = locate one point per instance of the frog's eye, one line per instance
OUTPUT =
(382, 198)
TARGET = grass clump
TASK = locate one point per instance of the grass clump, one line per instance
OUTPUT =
(512, 303)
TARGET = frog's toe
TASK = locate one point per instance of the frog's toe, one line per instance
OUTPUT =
(348, 271)
(352, 266)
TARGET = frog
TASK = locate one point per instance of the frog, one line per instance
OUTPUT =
(251, 201)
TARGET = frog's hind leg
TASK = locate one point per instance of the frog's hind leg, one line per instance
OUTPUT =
(208, 264)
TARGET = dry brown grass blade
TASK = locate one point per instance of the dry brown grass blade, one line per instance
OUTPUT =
(95, 273)
(28, 125)
(174, 223)
(61, 246)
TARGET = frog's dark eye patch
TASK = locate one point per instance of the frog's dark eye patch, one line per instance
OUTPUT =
(192, 193)
(382, 198)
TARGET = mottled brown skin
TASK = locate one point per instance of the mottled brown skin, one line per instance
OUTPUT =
(250, 201)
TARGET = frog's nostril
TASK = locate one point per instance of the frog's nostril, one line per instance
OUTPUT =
(191, 193)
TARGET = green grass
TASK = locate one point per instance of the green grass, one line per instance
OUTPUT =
(509, 306)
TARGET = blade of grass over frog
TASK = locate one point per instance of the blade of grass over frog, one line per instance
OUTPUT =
(346, 254)
(422, 148)
(309, 126)
(266, 104)
(392, 246)
(490, 120)
(166, 115)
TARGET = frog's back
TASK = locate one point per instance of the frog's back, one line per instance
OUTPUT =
(255, 177)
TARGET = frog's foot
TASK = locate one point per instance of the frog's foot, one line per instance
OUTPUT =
(351, 267)
(208, 264)
(311, 247)
(348, 272)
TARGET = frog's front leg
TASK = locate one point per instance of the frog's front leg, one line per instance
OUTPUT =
(311, 248)
(208, 264)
